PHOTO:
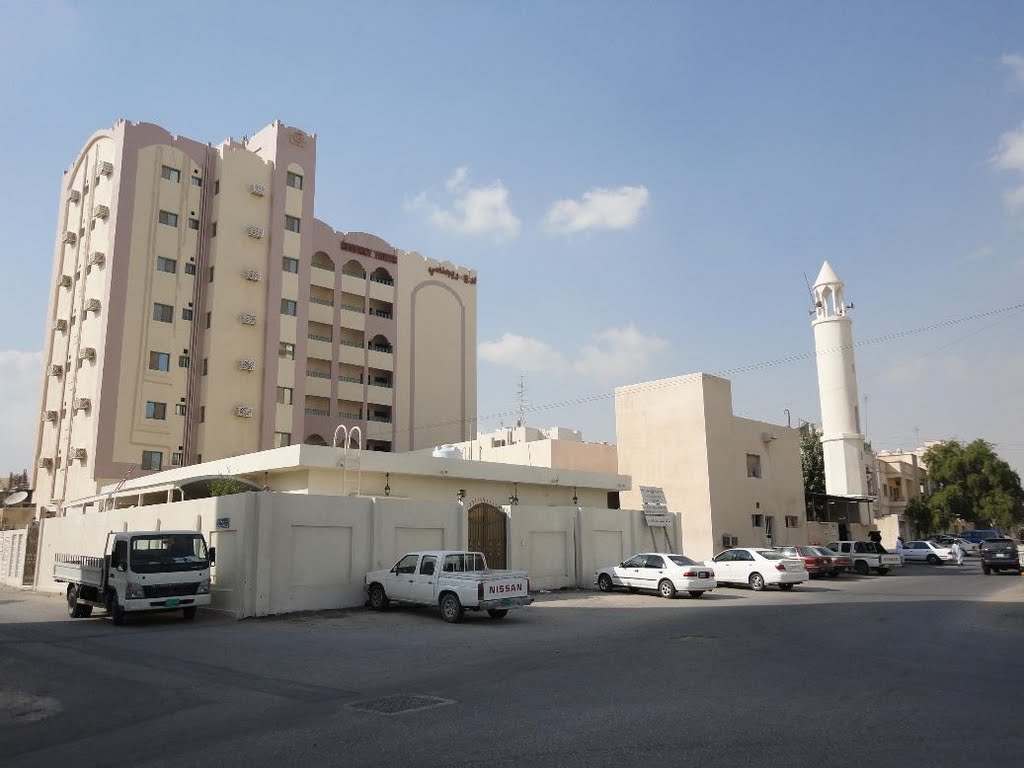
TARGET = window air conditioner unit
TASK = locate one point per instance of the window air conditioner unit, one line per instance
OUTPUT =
(253, 275)
(74, 195)
(92, 305)
(83, 403)
(103, 168)
(97, 257)
(70, 238)
(257, 189)
(50, 416)
(64, 281)
(246, 365)
(56, 370)
(255, 232)
(247, 319)
(46, 463)
(243, 411)
(60, 324)
(87, 353)
(100, 211)
(79, 453)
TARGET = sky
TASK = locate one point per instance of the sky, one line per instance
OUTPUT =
(643, 188)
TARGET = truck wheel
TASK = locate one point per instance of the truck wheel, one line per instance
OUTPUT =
(695, 593)
(881, 571)
(451, 608)
(932, 559)
(666, 589)
(756, 582)
(76, 611)
(497, 613)
(114, 609)
(189, 613)
(378, 598)
(604, 582)
(861, 568)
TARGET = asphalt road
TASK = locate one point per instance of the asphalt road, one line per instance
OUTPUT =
(921, 667)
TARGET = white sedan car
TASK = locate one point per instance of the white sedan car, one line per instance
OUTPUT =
(926, 552)
(661, 571)
(759, 567)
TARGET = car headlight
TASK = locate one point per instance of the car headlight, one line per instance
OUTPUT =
(204, 587)
(133, 591)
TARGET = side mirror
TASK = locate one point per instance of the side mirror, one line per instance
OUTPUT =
(213, 555)
(121, 567)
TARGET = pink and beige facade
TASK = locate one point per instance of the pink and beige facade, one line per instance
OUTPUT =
(199, 311)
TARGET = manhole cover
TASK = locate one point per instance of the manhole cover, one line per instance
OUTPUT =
(400, 704)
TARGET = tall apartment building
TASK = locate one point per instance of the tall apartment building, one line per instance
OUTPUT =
(198, 311)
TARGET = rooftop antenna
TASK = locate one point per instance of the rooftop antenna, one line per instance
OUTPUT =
(810, 292)
(521, 401)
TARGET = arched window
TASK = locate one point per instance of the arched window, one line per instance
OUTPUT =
(381, 275)
(323, 261)
(379, 343)
(353, 268)
(315, 439)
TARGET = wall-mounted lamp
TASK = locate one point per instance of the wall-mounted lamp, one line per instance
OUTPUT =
(514, 498)
(575, 497)
(387, 483)
(461, 494)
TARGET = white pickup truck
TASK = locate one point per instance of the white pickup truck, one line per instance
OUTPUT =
(453, 580)
(867, 556)
(139, 571)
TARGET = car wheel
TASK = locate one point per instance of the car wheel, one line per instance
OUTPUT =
(933, 559)
(189, 613)
(786, 587)
(378, 598)
(756, 582)
(114, 609)
(604, 582)
(666, 588)
(695, 593)
(986, 570)
(76, 611)
(451, 608)
(861, 568)
(497, 613)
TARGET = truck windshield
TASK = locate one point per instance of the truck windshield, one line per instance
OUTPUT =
(168, 552)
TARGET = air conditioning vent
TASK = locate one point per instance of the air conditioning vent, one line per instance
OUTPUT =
(56, 370)
(253, 275)
(103, 168)
(74, 195)
(83, 403)
(64, 281)
(46, 463)
(79, 453)
(97, 257)
(243, 411)
(70, 238)
(92, 305)
(87, 353)
(50, 416)
(247, 319)
(246, 365)
(255, 232)
(257, 189)
(100, 211)
(60, 324)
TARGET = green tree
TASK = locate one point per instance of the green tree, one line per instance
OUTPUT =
(226, 486)
(924, 519)
(812, 459)
(973, 483)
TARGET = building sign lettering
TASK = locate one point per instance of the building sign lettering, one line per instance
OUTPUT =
(453, 274)
(390, 258)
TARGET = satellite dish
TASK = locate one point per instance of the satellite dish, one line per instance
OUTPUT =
(15, 498)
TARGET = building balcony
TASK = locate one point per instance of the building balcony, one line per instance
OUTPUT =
(317, 412)
(379, 395)
(322, 277)
(353, 284)
(321, 312)
(378, 359)
(319, 346)
(317, 386)
(382, 291)
(350, 390)
(351, 353)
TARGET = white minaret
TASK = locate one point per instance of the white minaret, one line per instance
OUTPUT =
(841, 437)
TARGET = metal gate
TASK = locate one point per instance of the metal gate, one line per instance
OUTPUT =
(488, 533)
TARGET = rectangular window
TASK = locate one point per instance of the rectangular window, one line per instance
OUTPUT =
(289, 307)
(183, 361)
(196, 181)
(211, 274)
(209, 318)
(213, 229)
(152, 459)
(156, 410)
(289, 264)
(186, 313)
(286, 350)
(163, 313)
(753, 465)
(757, 520)
(202, 413)
(179, 409)
(792, 521)
(168, 218)
(193, 223)
(166, 265)
(206, 365)
(176, 458)
(159, 361)
(292, 223)
(216, 186)
(190, 268)
(281, 439)
(294, 180)
(171, 174)
(284, 395)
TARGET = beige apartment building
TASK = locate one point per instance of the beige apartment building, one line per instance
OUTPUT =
(199, 311)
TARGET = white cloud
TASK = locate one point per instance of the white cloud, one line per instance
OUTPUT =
(20, 376)
(980, 254)
(1014, 198)
(481, 210)
(1015, 63)
(613, 353)
(1010, 155)
(599, 208)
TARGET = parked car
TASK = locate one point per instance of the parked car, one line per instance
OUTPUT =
(926, 552)
(946, 540)
(1000, 555)
(838, 562)
(867, 556)
(814, 561)
(759, 567)
(978, 535)
(667, 573)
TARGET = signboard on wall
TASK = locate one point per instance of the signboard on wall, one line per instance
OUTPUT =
(655, 507)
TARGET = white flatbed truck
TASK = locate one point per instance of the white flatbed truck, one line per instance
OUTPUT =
(139, 571)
